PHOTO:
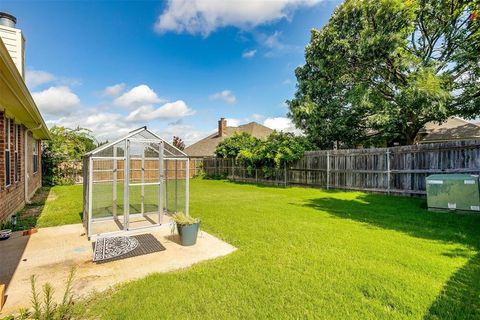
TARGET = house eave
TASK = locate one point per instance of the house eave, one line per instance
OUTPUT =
(16, 101)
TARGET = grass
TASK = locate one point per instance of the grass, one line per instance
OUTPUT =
(53, 206)
(103, 195)
(306, 253)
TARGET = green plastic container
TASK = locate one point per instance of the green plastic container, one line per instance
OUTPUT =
(188, 233)
(453, 192)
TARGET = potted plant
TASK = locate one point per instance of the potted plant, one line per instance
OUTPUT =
(187, 228)
(5, 230)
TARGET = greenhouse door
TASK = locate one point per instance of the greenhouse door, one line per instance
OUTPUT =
(144, 184)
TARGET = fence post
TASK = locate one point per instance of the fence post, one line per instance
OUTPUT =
(234, 170)
(256, 175)
(285, 174)
(388, 171)
(328, 170)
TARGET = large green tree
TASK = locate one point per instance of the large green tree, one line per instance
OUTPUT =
(380, 69)
(63, 153)
(231, 146)
(269, 154)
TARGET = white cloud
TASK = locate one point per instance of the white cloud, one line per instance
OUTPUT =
(37, 77)
(137, 96)
(225, 95)
(186, 132)
(249, 54)
(257, 117)
(272, 41)
(104, 125)
(204, 16)
(169, 110)
(113, 91)
(56, 100)
(274, 45)
(232, 122)
(281, 124)
(111, 125)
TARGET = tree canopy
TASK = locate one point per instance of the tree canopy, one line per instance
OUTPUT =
(63, 152)
(278, 149)
(231, 146)
(178, 143)
(380, 69)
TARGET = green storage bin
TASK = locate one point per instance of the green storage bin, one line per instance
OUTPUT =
(453, 192)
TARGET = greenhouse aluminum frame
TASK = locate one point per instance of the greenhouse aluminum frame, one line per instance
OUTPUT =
(138, 161)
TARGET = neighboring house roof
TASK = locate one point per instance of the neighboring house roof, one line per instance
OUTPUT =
(206, 147)
(452, 129)
(16, 100)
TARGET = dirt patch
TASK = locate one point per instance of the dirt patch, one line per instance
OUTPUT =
(33, 211)
(27, 217)
(51, 197)
(42, 195)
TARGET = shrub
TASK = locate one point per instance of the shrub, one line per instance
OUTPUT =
(63, 153)
(46, 308)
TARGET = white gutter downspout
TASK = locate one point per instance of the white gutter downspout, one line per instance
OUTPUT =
(25, 161)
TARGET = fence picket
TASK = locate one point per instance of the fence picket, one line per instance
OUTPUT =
(400, 170)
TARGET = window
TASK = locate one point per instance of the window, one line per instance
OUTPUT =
(16, 160)
(35, 156)
(7, 152)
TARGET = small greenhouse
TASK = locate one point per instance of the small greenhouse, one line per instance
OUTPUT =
(132, 183)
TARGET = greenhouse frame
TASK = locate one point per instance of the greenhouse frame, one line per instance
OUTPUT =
(135, 182)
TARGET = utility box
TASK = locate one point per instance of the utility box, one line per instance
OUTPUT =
(453, 192)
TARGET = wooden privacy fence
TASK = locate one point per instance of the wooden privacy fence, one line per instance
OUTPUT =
(104, 169)
(400, 170)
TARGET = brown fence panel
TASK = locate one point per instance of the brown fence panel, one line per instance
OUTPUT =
(400, 170)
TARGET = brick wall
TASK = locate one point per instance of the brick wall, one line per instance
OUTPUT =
(12, 197)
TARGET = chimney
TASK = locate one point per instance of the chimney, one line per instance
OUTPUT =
(222, 127)
(13, 40)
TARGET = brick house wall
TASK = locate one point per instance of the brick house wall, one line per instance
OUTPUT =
(12, 197)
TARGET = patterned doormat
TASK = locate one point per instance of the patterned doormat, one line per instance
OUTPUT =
(115, 248)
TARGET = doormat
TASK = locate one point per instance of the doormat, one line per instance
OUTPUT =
(122, 247)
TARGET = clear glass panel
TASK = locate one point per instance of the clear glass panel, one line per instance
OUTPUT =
(144, 172)
(175, 171)
(102, 188)
(172, 152)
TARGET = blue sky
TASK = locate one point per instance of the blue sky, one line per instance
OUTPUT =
(175, 66)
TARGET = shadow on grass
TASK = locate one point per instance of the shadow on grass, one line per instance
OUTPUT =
(404, 214)
(27, 217)
(460, 296)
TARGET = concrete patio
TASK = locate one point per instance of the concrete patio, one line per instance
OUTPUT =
(50, 253)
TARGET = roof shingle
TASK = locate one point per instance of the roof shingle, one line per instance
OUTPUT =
(206, 146)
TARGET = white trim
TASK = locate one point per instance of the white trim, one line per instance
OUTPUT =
(131, 134)
(8, 134)
(144, 184)
(7, 124)
(187, 187)
(108, 145)
(90, 197)
(169, 144)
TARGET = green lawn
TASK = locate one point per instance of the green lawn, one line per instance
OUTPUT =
(50, 207)
(306, 253)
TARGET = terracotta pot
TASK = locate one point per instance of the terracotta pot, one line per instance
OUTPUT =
(29, 232)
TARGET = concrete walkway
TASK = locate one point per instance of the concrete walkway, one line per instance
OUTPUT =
(50, 253)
